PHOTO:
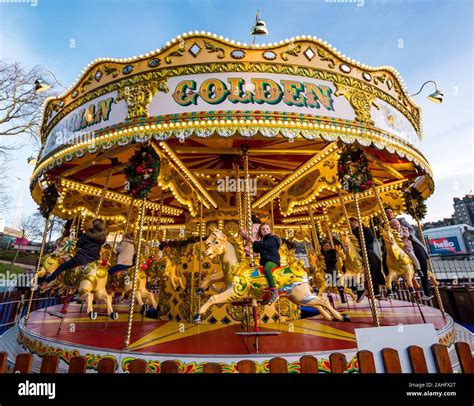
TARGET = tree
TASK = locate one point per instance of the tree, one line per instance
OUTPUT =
(20, 105)
(20, 114)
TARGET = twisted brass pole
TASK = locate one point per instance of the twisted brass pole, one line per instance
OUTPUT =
(341, 199)
(272, 216)
(102, 195)
(135, 275)
(156, 236)
(373, 306)
(317, 247)
(249, 205)
(38, 266)
(129, 215)
(239, 200)
(200, 253)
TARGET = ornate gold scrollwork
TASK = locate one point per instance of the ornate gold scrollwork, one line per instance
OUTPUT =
(138, 97)
(177, 53)
(292, 50)
(111, 71)
(330, 163)
(87, 82)
(328, 181)
(213, 48)
(325, 56)
(361, 102)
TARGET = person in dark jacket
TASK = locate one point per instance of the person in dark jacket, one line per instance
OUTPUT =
(330, 259)
(420, 252)
(88, 250)
(374, 261)
(267, 246)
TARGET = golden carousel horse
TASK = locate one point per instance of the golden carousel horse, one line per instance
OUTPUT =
(90, 280)
(247, 282)
(353, 262)
(122, 282)
(399, 262)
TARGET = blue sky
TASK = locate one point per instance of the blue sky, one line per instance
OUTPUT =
(422, 39)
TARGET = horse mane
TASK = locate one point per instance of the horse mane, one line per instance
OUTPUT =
(396, 236)
(354, 241)
(238, 246)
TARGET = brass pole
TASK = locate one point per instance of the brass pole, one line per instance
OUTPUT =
(135, 275)
(431, 273)
(373, 306)
(102, 195)
(158, 225)
(113, 246)
(249, 205)
(38, 266)
(192, 302)
(341, 199)
(129, 215)
(200, 253)
(272, 216)
(317, 247)
(239, 200)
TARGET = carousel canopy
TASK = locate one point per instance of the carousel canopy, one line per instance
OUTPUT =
(201, 101)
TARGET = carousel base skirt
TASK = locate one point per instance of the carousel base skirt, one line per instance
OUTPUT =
(193, 345)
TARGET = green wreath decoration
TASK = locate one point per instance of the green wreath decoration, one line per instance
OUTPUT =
(142, 172)
(353, 170)
(48, 200)
(415, 203)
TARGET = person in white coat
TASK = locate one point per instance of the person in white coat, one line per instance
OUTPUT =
(125, 251)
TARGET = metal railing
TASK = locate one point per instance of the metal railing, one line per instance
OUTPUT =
(13, 306)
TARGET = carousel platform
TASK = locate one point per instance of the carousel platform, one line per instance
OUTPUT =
(192, 345)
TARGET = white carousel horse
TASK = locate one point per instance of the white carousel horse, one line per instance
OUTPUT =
(247, 282)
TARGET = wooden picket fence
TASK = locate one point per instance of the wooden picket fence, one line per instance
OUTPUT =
(309, 364)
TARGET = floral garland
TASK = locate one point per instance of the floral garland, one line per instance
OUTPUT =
(142, 172)
(415, 203)
(48, 200)
(353, 170)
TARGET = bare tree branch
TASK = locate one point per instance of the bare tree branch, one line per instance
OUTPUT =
(20, 106)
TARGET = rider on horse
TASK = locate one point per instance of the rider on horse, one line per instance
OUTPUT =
(267, 246)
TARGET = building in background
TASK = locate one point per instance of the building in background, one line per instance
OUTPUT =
(464, 210)
(440, 223)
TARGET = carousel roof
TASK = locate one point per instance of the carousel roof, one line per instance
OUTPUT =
(201, 98)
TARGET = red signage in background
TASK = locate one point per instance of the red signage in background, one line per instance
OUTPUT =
(21, 242)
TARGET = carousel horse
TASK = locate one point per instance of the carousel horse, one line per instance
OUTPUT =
(122, 282)
(176, 279)
(317, 266)
(398, 261)
(250, 282)
(89, 279)
(93, 286)
(353, 262)
(287, 257)
(50, 262)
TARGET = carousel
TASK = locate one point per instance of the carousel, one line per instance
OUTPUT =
(184, 150)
